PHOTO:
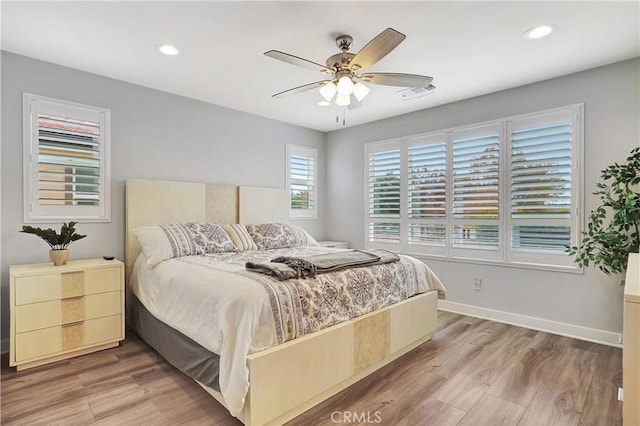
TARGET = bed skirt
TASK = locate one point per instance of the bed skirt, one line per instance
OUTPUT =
(180, 351)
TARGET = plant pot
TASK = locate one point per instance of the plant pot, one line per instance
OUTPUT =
(59, 257)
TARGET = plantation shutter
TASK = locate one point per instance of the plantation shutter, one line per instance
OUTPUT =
(383, 200)
(66, 176)
(476, 190)
(68, 161)
(505, 192)
(427, 193)
(302, 181)
(541, 183)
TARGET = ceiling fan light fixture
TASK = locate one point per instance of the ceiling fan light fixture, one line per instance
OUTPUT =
(344, 70)
(328, 91)
(343, 100)
(345, 86)
(360, 91)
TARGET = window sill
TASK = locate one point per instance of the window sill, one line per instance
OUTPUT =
(534, 266)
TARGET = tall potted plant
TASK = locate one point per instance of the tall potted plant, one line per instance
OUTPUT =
(613, 229)
(59, 242)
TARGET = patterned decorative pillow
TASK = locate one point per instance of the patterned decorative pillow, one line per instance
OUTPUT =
(210, 238)
(163, 242)
(240, 237)
(279, 235)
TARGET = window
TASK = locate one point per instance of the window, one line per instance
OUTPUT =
(475, 208)
(384, 196)
(541, 167)
(505, 191)
(66, 152)
(427, 193)
(301, 181)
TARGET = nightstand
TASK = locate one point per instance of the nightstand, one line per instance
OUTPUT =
(59, 312)
(334, 244)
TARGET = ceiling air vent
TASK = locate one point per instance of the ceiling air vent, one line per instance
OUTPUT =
(416, 92)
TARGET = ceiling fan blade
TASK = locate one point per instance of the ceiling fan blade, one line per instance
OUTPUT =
(296, 60)
(376, 49)
(300, 89)
(397, 79)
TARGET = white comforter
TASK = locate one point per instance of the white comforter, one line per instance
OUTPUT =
(227, 313)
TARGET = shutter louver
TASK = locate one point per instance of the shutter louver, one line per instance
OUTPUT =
(427, 194)
(68, 161)
(384, 196)
(476, 195)
(541, 166)
(540, 237)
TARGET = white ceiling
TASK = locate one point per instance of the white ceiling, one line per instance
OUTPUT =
(470, 48)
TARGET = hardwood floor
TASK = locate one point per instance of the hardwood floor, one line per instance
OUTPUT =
(473, 372)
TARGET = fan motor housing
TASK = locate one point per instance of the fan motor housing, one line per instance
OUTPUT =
(340, 61)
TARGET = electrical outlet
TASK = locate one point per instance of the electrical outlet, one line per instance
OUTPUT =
(620, 394)
(620, 338)
(477, 284)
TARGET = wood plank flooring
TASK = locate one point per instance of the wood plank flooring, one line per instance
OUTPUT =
(473, 372)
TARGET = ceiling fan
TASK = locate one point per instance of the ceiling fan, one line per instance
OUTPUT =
(346, 80)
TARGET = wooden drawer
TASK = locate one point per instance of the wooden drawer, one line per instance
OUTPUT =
(56, 312)
(48, 341)
(53, 286)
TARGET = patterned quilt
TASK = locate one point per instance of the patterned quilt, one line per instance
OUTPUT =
(302, 306)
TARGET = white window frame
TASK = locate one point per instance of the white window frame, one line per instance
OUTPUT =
(308, 152)
(33, 212)
(504, 256)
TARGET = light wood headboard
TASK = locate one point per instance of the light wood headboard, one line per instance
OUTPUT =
(155, 202)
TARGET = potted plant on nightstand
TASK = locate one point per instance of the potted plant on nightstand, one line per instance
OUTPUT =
(59, 242)
(613, 229)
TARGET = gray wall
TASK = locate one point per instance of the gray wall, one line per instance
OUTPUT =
(163, 136)
(592, 300)
(154, 135)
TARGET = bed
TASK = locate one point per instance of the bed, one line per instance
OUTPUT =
(284, 376)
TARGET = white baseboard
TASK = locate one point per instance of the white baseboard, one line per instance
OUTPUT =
(4, 346)
(575, 331)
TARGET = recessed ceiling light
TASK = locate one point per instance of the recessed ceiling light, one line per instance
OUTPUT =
(539, 31)
(323, 103)
(167, 49)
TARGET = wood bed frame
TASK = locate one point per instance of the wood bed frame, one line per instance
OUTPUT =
(288, 379)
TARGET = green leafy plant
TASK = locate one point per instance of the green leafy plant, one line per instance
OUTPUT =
(613, 229)
(57, 241)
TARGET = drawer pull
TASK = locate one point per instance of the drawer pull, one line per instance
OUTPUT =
(73, 335)
(72, 297)
(73, 309)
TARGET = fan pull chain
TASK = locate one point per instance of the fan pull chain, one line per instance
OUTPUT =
(344, 120)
